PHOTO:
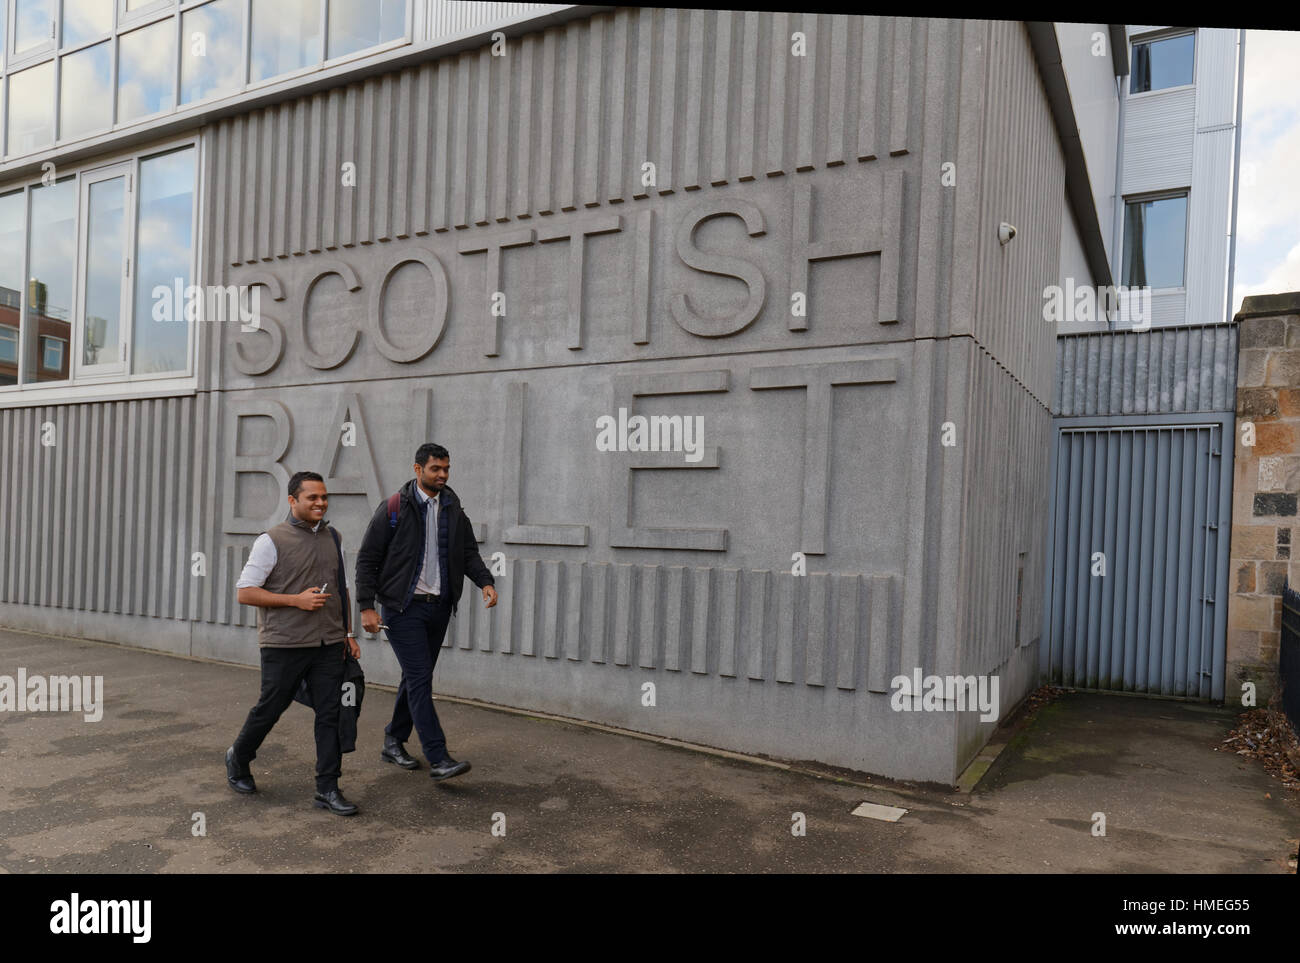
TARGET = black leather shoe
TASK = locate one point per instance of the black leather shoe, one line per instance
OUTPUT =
(395, 753)
(334, 802)
(447, 768)
(240, 779)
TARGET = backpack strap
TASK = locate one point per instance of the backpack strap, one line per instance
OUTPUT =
(394, 503)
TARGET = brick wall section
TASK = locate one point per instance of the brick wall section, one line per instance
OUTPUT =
(1266, 488)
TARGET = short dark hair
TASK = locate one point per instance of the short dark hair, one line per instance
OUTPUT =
(298, 477)
(430, 450)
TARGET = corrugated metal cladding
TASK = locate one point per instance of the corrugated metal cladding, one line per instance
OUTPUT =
(1216, 61)
(1022, 182)
(99, 517)
(1150, 501)
(1161, 371)
(446, 17)
(1206, 274)
(1159, 129)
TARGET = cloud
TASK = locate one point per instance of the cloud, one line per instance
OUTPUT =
(1268, 200)
(1282, 278)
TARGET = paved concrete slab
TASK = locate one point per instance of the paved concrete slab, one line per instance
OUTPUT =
(119, 795)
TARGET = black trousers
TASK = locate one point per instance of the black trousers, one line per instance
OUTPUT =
(416, 637)
(282, 671)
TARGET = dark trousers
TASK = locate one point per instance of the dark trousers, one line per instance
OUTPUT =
(416, 637)
(282, 671)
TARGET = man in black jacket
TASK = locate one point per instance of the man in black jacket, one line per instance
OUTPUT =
(418, 549)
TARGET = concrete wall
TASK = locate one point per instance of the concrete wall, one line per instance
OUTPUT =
(1090, 74)
(775, 175)
(1005, 385)
(1265, 489)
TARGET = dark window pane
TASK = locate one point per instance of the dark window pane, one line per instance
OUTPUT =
(12, 238)
(1158, 64)
(1154, 237)
(53, 251)
(164, 238)
(212, 54)
(357, 24)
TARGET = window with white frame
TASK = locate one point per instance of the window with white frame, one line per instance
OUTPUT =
(1162, 62)
(1155, 240)
(96, 270)
(72, 69)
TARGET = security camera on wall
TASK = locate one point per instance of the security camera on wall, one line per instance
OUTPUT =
(1006, 232)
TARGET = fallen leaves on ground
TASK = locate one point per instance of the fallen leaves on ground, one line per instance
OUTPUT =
(1267, 735)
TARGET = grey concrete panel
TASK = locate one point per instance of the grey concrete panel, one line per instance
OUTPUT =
(775, 174)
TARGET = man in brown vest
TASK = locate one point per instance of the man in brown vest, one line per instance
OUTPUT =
(299, 630)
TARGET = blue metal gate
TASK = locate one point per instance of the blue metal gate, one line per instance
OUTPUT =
(1138, 567)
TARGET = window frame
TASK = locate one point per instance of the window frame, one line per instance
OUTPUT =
(328, 61)
(130, 19)
(58, 92)
(123, 23)
(15, 61)
(1156, 37)
(104, 370)
(246, 30)
(54, 107)
(125, 384)
(14, 341)
(118, 122)
(1160, 195)
(46, 341)
(63, 49)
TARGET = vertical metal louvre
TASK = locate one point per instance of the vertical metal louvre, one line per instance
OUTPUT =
(1147, 499)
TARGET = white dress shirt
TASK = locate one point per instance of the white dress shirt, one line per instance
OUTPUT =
(428, 583)
(261, 559)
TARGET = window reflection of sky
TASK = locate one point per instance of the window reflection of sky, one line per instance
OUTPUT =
(218, 69)
(52, 261)
(86, 92)
(53, 246)
(31, 108)
(285, 37)
(32, 23)
(357, 24)
(145, 71)
(85, 20)
(163, 244)
(103, 303)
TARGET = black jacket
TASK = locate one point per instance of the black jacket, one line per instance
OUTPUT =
(348, 714)
(387, 559)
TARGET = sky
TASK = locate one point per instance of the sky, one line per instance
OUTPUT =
(1268, 206)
